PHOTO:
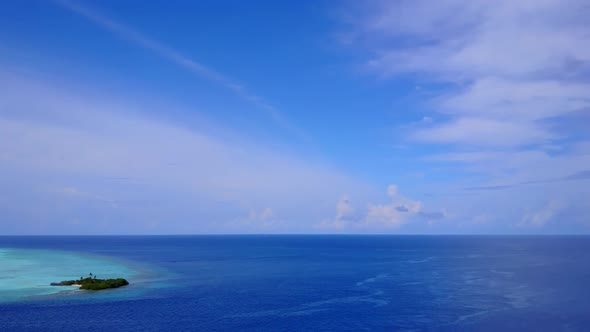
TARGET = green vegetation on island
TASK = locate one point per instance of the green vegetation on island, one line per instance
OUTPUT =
(92, 283)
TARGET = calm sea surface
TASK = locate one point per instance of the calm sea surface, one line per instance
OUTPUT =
(299, 283)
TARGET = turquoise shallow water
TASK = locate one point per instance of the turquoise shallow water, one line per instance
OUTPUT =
(26, 274)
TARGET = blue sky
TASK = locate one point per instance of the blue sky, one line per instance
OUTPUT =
(404, 117)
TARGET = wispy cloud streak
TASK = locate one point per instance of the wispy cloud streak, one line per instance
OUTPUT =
(578, 176)
(139, 39)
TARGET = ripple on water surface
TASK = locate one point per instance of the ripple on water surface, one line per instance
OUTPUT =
(26, 274)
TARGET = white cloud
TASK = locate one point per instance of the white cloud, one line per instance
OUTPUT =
(344, 208)
(542, 216)
(393, 214)
(516, 167)
(506, 86)
(478, 38)
(54, 137)
(512, 64)
(517, 100)
(484, 132)
(345, 216)
(392, 190)
(397, 212)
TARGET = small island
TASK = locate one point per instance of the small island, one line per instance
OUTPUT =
(92, 283)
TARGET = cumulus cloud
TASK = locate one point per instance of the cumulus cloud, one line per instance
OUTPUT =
(345, 216)
(394, 214)
(402, 208)
(344, 209)
(398, 211)
(543, 215)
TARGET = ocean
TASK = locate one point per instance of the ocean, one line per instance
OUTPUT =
(298, 283)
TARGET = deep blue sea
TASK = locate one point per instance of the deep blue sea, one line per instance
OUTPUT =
(299, 283)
